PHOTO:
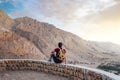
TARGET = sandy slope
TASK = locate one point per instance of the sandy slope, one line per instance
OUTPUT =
(28, 75)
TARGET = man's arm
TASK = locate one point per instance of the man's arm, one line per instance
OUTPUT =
(65, 59)
(52, 51)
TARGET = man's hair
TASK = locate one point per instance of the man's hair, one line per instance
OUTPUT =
(60, 44)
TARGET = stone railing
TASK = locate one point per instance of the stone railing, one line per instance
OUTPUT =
(71, 72)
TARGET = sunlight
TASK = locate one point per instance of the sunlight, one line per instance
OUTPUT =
(105, 1)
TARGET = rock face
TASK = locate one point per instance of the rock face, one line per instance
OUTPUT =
(5, 20)
(31, 38)
(15, 46)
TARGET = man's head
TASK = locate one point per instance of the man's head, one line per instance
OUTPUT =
(60, 44)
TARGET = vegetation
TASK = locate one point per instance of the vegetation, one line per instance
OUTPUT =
(113, 68)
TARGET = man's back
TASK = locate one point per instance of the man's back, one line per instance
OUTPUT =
(58, 49)
(58, 54)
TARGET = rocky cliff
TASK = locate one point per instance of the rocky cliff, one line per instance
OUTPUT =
(15, 46)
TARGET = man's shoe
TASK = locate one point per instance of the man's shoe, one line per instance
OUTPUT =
(49, 60)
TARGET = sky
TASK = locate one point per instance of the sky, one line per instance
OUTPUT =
(96, 20)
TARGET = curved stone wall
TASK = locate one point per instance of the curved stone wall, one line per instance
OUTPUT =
(73, 73)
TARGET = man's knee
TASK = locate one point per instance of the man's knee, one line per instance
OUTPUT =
(52, 54)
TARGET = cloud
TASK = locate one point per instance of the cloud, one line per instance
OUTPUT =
(64, 10)
(67, 10)
(4, 1)
(0, 1)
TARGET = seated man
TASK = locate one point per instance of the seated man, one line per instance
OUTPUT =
(59, 54)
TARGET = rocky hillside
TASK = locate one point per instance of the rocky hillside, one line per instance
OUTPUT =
(15, 46)
(33, 39)
(106, 47)
(5, 20)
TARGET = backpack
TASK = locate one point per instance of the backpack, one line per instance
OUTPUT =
(61, 54)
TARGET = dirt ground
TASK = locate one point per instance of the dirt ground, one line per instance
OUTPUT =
(28, 75)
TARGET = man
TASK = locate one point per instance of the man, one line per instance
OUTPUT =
(59, 54)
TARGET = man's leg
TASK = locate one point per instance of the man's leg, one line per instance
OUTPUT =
(52, 56)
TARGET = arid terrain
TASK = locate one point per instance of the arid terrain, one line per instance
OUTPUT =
(27, 38)
(28, 75)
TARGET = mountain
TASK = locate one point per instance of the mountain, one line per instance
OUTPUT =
(5, 20)
(106, 47)
(15, 46)
(30, 37)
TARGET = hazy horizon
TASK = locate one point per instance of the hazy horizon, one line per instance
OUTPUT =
(94, 20)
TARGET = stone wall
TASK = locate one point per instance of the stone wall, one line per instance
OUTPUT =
(71, 72)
